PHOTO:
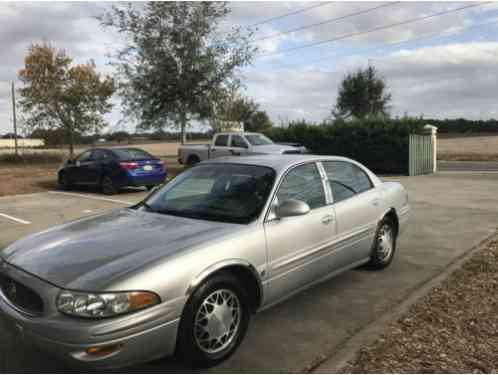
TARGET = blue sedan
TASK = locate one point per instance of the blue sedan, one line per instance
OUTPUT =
(110, 169)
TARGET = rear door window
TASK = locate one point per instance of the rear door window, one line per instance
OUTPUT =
(238, 141)
(99, 155)
(346, 179)
(221, 140)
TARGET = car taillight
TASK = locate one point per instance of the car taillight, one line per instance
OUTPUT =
(128, 166)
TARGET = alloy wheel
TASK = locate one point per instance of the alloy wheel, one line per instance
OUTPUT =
(217, 321)
(385, 242)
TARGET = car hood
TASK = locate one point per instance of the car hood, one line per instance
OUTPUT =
(91, 253)
(274, 149)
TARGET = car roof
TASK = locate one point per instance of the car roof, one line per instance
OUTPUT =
(281, 163)
(277, 162)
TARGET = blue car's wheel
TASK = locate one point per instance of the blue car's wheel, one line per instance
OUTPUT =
(107, 186)
(63, 181)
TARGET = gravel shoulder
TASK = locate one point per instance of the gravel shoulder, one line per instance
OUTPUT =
(454, 328)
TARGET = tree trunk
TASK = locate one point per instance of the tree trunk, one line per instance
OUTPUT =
(71, 141)
(183, 124)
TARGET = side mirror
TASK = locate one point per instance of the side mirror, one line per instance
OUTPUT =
(292, 207)
(69, 161)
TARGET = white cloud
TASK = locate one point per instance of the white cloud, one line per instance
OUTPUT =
(451, 80)
(439, 81)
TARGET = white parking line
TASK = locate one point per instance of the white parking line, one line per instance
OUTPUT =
(15, 219)
(91, 197)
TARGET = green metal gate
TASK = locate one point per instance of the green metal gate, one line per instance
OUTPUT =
(421, 154)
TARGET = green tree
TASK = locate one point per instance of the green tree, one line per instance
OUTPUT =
(234, 107)
(258, 122)
(56, 95)
(176, 60)
(362, 94)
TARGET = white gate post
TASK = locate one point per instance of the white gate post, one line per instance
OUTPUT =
(432, 130)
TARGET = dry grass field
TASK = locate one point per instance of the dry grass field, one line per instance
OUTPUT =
(479, 147)
(162, 149)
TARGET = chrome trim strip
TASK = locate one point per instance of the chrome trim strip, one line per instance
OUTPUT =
(314, 282)
(336, 245)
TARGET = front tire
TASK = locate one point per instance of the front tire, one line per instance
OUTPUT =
(63, 181)
(214, 321)
(384, 245)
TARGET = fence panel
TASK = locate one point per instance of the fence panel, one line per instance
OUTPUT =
(421, 154)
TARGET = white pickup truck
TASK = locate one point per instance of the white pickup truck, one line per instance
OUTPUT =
(234, 143)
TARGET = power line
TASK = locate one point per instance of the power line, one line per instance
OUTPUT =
(350, 35)
(424, 37)
(302, 10)
(277, 34)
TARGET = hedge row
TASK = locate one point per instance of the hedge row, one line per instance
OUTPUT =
(465, 126)
(381, 145)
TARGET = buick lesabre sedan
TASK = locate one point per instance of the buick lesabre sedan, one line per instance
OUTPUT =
(183, 271)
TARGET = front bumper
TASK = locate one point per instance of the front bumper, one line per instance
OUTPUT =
(140, 336)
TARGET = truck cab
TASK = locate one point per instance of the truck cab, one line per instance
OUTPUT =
(234, 144)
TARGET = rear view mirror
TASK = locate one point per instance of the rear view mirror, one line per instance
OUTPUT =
(292, 207)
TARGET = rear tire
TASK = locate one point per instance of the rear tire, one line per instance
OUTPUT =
(193, 160)
(214, 321)
(384, 245)
(63, 181)
(107, 187)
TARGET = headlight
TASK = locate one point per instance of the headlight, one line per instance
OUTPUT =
(103, 305)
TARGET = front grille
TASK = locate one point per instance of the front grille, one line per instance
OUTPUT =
(21, 296)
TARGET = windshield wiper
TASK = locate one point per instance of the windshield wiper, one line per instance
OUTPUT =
(148, 207)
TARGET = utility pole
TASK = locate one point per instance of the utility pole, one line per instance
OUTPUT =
(14, 116)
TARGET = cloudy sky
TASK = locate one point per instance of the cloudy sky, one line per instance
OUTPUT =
(442, 66)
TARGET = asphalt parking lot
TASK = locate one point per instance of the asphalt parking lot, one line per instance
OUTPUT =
(450, 214)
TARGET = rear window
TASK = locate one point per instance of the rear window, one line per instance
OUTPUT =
(221, 140)
(132, 154)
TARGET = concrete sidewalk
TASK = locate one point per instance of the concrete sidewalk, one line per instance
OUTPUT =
(451, 213)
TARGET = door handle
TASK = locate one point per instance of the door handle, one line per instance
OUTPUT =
(235, 153)
(376, 202)
(327, 219)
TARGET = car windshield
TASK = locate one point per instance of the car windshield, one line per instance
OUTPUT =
(232, 193)
(131, 154)
(258, 139)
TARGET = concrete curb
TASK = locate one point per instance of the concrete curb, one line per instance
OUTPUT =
(347, 352)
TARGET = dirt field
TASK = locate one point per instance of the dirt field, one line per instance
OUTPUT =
(17, 179)
(454, 329)
(468, 147)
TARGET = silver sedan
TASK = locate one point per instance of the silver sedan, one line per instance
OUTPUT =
(183, 271)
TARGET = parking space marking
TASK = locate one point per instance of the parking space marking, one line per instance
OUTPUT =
(91, 197)
(16, 219)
